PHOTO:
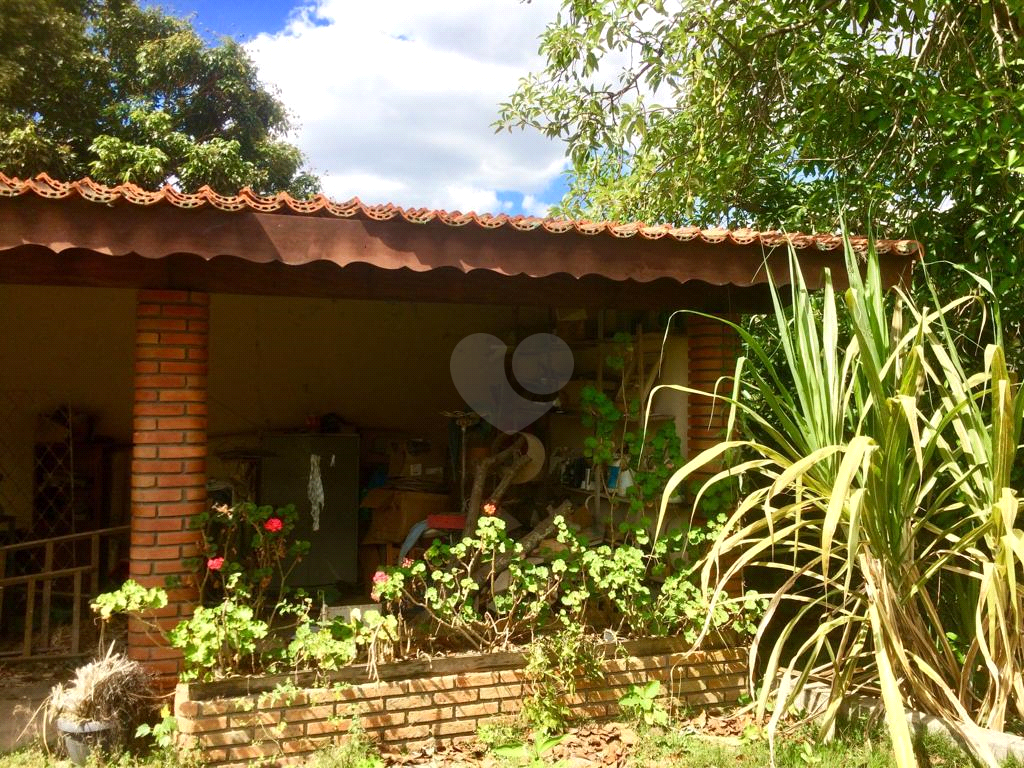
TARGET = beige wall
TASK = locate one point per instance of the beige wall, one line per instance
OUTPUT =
(274, 361)
(381, 366)
(60, 346)
(674, 371)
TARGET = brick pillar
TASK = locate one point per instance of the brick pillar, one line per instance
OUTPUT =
(168, 459)
(713, 347)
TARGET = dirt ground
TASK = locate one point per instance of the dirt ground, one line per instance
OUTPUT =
(593, 745)
(23, 688)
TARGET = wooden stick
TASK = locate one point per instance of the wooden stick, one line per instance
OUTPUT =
(12, 580)
(36, 543)
(76, 615)
(483, 467)
(529, 542)
(508, 478)
(94, 561)
(30, 610)
(3, 574)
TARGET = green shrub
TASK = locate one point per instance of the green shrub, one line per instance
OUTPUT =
(554, 663)
(223, 639)
(456, 585)
(249, 553)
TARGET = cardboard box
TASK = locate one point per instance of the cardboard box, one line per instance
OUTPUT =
(446, 522)
(396, 511)
(425, 459)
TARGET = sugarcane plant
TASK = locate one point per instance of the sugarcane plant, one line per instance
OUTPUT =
(874, 460)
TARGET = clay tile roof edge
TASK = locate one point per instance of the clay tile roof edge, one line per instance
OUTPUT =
(44, 186)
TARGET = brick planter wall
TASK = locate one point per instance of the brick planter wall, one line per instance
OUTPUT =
(168, 459)
(236, 722)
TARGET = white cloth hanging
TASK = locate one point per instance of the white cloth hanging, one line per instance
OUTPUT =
(316, 490)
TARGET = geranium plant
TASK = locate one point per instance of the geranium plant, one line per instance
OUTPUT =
(468, 601)
(247, 556)
(466, 597)
(250, 542)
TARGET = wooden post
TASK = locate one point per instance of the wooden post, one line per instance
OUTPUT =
(94, 561)
(47, 593)
(3, 573)
(30, 609)
(76, 614)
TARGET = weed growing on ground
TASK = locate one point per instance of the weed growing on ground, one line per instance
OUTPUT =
(855, 745)
(501, 731)
(640, 706)
(354, 750)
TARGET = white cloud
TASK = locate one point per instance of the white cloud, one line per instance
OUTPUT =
(534, 207)
(394, 100)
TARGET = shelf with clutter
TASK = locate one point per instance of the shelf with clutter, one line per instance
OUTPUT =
(593, 454)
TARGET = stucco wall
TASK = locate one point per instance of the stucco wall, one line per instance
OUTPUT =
(60, 346)
(274, 361)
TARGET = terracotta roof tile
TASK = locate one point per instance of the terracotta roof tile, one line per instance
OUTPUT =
(282, 203)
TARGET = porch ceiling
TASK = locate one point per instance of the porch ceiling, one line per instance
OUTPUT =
(66, 233)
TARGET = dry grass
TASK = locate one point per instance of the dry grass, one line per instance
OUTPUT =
(113, 689)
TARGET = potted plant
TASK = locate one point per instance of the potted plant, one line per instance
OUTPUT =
(99, 708)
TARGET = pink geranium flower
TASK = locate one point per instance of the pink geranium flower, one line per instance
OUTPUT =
(215, 563)
(490, 509)
(379, 580)
(273, 525)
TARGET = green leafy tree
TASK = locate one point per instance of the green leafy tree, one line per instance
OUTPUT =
(107, 89)
(774, 113)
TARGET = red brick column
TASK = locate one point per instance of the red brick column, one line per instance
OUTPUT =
(713, 347)
(168, 459)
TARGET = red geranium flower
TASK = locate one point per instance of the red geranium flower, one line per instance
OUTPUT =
(273, 525)
(215, 563)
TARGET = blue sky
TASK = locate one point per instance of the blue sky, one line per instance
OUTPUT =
(393, 101)
(218, 18)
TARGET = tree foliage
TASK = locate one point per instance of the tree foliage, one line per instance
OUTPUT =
(107, 89)
(776, 113)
